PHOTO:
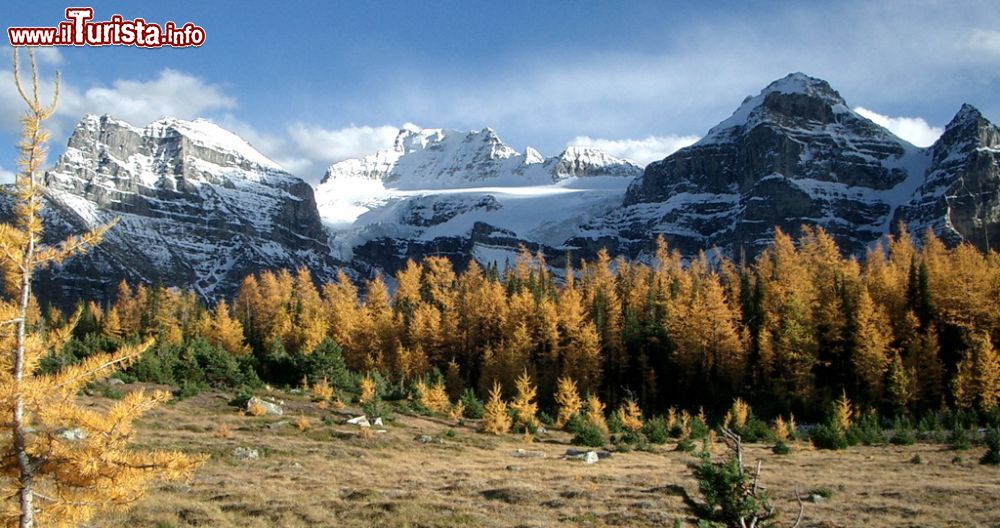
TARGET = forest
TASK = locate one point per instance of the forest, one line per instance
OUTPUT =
(912, 328)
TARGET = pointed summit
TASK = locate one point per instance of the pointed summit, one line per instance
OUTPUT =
(794, 99)
(960, 196)
(965, 113)
(967, 131)
(581, 161)
(802, 84)
(793, 154)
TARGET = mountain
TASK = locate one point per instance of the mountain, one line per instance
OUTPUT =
(793, 154)
(960, 196)
(198, 208)
(464, 194)
(437, 158)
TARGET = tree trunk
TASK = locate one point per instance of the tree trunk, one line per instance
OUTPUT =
(27, 519)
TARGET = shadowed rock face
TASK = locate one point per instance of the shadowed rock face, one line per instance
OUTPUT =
(794, 154)
(197, 208)
(960, 197)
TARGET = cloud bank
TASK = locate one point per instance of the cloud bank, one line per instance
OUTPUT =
(171, 93)
(912, 129)
(317, 143)
(641, 151)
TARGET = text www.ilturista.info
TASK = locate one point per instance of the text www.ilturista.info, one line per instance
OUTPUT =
(78, 30)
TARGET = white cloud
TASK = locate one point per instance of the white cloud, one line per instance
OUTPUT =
(312, 148)
(339, 144)
(309, 149)
(49, 55)
(274, 147)
(6, 176)
(642, 151)
(985, 40)
(44, 55)
(172, 93)
(912, 129)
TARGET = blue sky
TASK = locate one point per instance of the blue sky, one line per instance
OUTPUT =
(310, 83)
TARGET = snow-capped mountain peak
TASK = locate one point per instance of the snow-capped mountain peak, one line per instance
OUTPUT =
(435, 158)
(205, 133)
(796, 96)
(198, 133)
(198, 206)
(440, 183)
(800, 83)
(578, 161)
(532, 156)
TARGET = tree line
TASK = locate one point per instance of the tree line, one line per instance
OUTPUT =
(909, 328)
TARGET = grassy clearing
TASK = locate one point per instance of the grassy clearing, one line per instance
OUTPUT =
(330, 475)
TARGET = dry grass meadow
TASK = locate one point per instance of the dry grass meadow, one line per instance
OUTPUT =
(330, 475)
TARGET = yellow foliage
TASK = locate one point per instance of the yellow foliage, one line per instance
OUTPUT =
(63, 463)
(433, 398)
(256, 409)
(367, 386)
(457, 411)
(595, 413)
(225, 331)
(780, 429)
(737, 415)
(223, 432)
(843, 412)
(524, 406)
(303, 423)
(685, 424)
(112, 326)
(496, 421)
(568, 400)
(630, 416)
(322, 391)
(309, 319)
(711, 440)
(366, 434)
(987, 373)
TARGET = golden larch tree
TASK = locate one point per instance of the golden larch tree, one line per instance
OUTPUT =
(595, 413)
(62, 462)
(496, 421)
(568, 400)
(872, 353)
(987, 373)
(310, 318)
(341, 306)
(901, 382)
(630, 416)
(225, 331)
(524, 406)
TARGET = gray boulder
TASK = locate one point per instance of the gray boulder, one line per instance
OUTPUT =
(271, 408)
(246, 453)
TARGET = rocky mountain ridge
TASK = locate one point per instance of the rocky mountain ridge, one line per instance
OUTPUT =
(201, 208)
(198, 207)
